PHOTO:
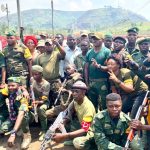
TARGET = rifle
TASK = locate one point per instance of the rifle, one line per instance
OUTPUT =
(60, 91)
(137, 117)
(34, 105)
(58, 124)
(21, 34)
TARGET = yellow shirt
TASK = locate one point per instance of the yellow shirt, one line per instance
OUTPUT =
(85, 111)
(50, 64)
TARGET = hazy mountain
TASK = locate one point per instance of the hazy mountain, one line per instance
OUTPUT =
(97, 18)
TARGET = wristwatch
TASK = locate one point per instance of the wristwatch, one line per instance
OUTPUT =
(13, 132)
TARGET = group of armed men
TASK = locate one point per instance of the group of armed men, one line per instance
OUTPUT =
(100, 79)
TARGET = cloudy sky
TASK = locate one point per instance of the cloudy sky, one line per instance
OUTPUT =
(139, 6)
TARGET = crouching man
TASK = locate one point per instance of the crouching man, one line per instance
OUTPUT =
(110, 126)
(84, 110)
(18, 114)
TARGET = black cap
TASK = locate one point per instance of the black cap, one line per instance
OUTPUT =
(134, 29)
(120, 38)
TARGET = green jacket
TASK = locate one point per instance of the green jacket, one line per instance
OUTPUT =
(110, 135)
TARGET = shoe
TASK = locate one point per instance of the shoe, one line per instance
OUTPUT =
(26, 140)
(41, 134)
(68, 143)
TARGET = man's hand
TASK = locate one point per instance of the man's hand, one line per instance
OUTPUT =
(136, 124)
(58, 137)
(2, 85)
(11, 140)
(94, 63)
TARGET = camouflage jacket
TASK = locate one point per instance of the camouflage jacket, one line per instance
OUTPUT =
(110, 134)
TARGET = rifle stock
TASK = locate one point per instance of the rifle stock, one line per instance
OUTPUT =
(137, 117)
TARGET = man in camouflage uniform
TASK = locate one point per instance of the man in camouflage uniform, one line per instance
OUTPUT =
(132, 35)
(94, 77)
(18, 114)
(142, 59)
(2, 70)
(81, 58)
(41, 89)
(108, 41)
(18, 59)
(110, 125)
(120, 52)
(85, 111)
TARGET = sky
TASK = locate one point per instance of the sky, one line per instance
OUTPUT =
(141, 7)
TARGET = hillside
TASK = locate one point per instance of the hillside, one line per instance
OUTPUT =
(97, 19)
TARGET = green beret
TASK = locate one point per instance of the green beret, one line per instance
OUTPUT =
(108, 36)
(120, 38)
(37, 68)
(143, 39)
(14, 79)
(134, 29)
(11, 33)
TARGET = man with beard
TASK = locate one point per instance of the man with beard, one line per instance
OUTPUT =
(132, 35)
(18, 59)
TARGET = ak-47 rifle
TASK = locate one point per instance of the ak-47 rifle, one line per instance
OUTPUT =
(58, 124)
(137, 117)
(34, 105)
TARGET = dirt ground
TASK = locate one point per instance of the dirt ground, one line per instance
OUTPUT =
(35, 145)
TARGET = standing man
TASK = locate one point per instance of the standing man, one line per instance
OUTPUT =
(94, 77)
(41, 90)
(108, 41)
(49, 61)
(132, 35)
(120, 52)
(2, 70)
(81, 58)
(18, 59)
(142, 58)
(110, 125)
(72, 51)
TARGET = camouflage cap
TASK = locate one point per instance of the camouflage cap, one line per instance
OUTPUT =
(133, 29)
(143, 39)
(14, 79)
(41, 43)
(37, 68)
(108, 35)
(120, 38)
(49, 41)
(10, 33)
(79, 85)
(98, 35)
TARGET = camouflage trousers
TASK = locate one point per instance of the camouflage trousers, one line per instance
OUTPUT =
(7, 125)
(98, 89)
(86, 141)
(41, 110)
